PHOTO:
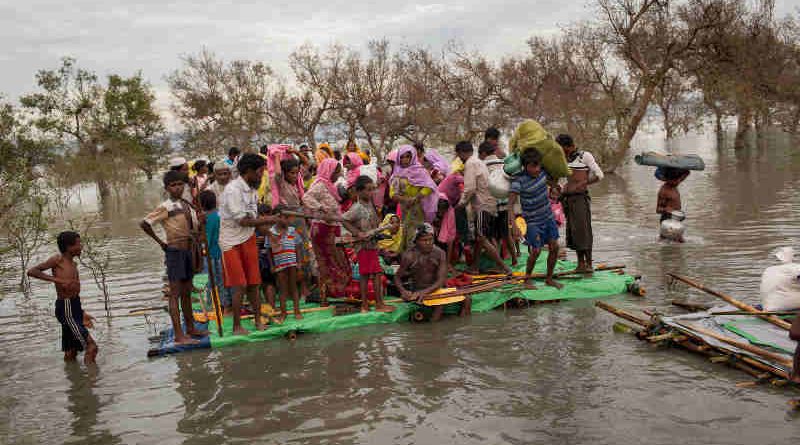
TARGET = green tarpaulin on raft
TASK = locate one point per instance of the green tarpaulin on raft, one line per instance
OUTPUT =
(602, 284)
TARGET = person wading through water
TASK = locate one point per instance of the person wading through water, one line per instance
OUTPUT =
(576, 200)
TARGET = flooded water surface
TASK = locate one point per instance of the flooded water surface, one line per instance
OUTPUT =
(549, 374)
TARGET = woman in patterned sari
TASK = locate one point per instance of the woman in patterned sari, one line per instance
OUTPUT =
(413, 188)
(323, 200)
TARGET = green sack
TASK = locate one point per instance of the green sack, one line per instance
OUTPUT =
(531, 135)
(512, 164)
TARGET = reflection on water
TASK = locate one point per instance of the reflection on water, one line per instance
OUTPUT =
(550, 374)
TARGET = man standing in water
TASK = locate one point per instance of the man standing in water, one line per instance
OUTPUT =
(239, 217)
(669, 198)
(576, 200)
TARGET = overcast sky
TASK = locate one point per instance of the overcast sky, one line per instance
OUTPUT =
(123, 36)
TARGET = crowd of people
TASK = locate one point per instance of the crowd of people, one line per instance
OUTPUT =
(284, 223)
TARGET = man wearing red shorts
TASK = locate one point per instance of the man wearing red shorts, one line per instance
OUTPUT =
(238, 220)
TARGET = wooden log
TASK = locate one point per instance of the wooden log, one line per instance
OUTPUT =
(622, 314)
(693, 307)
(743, 346)
(734, 302)
(755, 313)
(762, 366)
(661, 337)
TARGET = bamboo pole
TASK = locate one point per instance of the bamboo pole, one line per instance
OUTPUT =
(622, 314)
(727, 298)
(755, 313)
(693, 307)
(743, 346)
(214, 291)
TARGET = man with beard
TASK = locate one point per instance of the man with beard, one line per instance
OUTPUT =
(239, 218)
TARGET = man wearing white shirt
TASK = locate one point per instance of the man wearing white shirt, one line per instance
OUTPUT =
(576, 200)
(238, 221)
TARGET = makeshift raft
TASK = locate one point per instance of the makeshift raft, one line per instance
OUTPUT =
(734, 334)
(318, 319)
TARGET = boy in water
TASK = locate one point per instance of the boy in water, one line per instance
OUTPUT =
(181, 226)
(530, 188)
(669, 198)
(362, 216)
(74, 321)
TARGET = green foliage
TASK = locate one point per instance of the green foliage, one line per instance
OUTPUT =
(107, 132)
(96, 254)
(26, 225)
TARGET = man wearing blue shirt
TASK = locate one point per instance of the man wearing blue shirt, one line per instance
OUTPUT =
(530, 188)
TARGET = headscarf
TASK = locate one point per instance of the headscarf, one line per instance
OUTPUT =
(452, 187)
(324, 173)
(422, 230)
(357, 151)
(418, 177)
(395, 243)
(355, 168)
(438, 161)
(392, 156)
(323, 152)
(282, 151)
(457, 166)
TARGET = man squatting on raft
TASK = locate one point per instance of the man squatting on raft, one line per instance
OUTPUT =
(423, 269)
(576, 200)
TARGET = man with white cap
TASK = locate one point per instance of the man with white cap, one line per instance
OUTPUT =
(179, 163)
(222, 176)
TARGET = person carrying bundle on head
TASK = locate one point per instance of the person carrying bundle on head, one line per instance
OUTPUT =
(669, 202)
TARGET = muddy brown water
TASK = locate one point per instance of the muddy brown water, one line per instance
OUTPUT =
(549, 374)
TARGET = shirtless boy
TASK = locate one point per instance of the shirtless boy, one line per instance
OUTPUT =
(74, 321)
(423, 269)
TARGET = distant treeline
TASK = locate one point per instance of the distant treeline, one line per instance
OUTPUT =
(696, 61)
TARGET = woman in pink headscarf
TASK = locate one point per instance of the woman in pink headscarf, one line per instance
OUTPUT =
(288, 190)
(352, 162)
(323, 200)
(413, 188)
(436, 164)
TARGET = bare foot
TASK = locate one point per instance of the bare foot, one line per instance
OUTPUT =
(260, 326)
(280, 318)
(385, 308)
(529, 285)
(298, 315)
(185, 340)
(198, 333)
(553, 283)
(240, 331)
(365, 310)
(90, 355)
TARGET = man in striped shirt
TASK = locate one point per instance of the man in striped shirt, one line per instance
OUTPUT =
(576, 200)
(530, 188)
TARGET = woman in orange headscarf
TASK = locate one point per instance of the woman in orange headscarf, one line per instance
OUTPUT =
(323, 152)
(352, 147)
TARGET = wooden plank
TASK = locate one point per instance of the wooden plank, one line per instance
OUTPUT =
(727, 298)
